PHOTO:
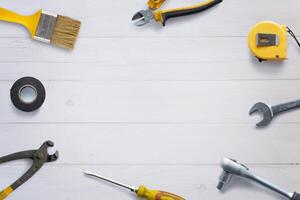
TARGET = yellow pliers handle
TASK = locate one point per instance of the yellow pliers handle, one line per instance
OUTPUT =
(163, 15)
(155, 4)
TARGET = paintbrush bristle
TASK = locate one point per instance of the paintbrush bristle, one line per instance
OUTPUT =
(65, 32)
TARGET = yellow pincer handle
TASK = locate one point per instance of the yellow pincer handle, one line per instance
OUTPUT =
(30, 22)
(5, 193)
(145, 193)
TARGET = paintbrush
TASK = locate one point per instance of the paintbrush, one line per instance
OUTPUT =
(50, 28)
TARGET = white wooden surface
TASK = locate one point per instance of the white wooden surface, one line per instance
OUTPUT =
(152, 105)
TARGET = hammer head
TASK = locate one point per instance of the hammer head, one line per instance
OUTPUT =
(231, 167)
(265, 111)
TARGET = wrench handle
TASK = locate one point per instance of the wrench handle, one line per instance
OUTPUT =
(285, 107)
(296, 196)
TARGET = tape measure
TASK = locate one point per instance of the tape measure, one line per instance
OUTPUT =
(268, 41)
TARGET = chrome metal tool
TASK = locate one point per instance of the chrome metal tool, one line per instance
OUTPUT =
(232, 168)
(269, 112)
(141, 191)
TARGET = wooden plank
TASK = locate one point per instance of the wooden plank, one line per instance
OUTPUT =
(213, 102)
(140, 51)
(193, 182)
(211, 71)
(169, 64)
(152, 105)
(113, 18)
(157, 144)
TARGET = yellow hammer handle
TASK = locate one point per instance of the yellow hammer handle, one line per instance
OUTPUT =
(5, 193)
(145, 193)
(30, 22)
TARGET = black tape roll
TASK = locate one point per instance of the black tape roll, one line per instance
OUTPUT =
(33, 83)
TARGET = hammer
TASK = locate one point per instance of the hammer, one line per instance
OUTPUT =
(232, 167)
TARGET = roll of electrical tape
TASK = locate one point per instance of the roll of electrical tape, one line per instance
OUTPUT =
(31, 102)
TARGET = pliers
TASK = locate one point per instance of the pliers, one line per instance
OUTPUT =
(39, 157)
(145, 16)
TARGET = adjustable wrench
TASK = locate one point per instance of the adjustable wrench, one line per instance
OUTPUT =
(269, 112)
(232, 167)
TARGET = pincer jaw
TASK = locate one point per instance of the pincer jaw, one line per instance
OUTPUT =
(53, 157)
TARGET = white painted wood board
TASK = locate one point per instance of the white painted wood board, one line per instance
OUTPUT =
(151, 105)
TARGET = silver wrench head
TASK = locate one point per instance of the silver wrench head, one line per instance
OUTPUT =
(230, 167)
(266, 112)
(142, 17)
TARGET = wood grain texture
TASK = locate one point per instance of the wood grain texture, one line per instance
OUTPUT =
(151, 105)
(217, 50)
(112, 18)
(155, 144)
(213, 102)
(192, 182)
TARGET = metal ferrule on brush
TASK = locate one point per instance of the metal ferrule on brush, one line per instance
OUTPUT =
(45, 27)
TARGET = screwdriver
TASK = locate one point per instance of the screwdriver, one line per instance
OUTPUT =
(141, 191)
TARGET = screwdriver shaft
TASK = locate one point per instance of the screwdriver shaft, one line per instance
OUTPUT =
(109, 180)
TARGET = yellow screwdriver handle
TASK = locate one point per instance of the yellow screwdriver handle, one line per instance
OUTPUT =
(145, 193)
(30, 22)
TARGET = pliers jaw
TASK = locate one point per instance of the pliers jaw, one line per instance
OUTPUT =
(142, 17)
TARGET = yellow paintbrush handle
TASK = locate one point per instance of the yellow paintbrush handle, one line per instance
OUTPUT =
(30, 22)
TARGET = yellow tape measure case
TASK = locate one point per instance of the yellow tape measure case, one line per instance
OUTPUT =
(268, 41)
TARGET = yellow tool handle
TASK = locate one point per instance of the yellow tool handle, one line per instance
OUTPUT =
(30, 22)
(163, 15)
(145, 193)
(155, 4)
(5, 193)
